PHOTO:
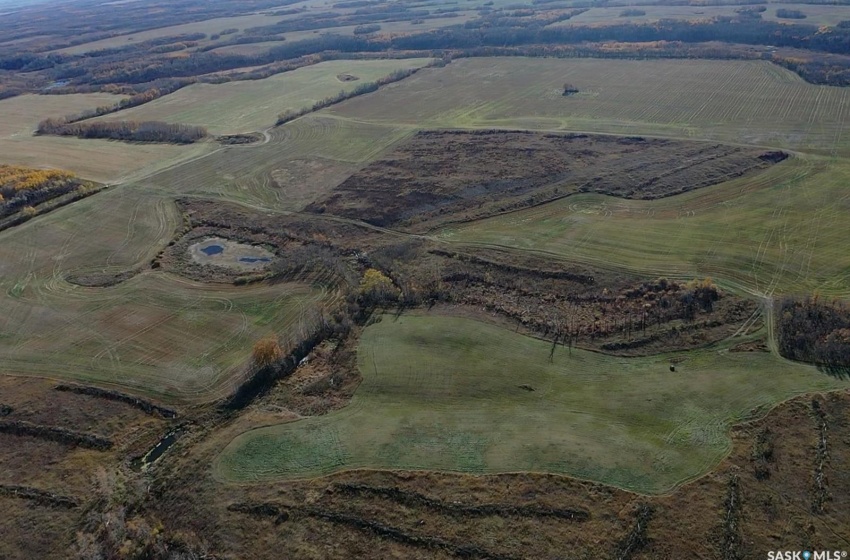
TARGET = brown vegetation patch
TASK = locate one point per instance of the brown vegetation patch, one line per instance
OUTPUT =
(347, 78)
(99, 279)
(566, 303)
(570, 304)
(239, 139)
(440, 176)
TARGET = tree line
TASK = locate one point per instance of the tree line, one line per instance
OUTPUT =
(815, 331)
(125, 131)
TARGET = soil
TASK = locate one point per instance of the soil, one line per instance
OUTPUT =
(440, 176)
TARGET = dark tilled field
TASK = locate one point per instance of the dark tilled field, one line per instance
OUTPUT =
(439, 176)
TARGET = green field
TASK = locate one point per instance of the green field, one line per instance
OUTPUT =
(782, 231)
(444, 394)
(246, 106)
(748, 102)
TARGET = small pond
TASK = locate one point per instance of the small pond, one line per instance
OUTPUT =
(212, 250)
(219, 251)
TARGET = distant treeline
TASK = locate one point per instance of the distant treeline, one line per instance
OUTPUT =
(499, 29)
(146, 70)
(126, 131)
(814, 331)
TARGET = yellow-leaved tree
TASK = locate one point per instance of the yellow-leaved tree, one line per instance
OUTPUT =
(267, 351)
(376, 287)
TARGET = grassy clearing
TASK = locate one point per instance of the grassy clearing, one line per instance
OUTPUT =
(154, 333)
(750, 102)
(254, 105)
(780, 231)
(443, 394)
(98, 160)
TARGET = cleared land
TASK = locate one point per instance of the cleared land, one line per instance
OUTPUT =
(253, 105)
(782, 231)
(463, 175)
(732, 101)
(155, 333)
(98, 160)
(446, 394)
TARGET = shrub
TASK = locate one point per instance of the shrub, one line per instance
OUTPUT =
(267, 351)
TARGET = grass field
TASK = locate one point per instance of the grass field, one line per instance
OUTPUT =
(750, 102)
(444, 394)
(304, 159)
(98, 160)
(253, 105)
(154, 333)
(781, 231)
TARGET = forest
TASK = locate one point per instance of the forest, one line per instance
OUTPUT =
(23, 189)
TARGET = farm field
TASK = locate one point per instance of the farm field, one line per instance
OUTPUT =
(98, 160)
(155, 333)
(304, 159)
(751, 102)
(815, 14)
(778, 232)
(451, 394)
(210, 27)
(247, 106)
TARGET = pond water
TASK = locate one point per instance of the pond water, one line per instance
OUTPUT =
(220, 251)
(212, 250)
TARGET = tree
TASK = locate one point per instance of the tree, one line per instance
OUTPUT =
(267, 351)
(376, 287)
